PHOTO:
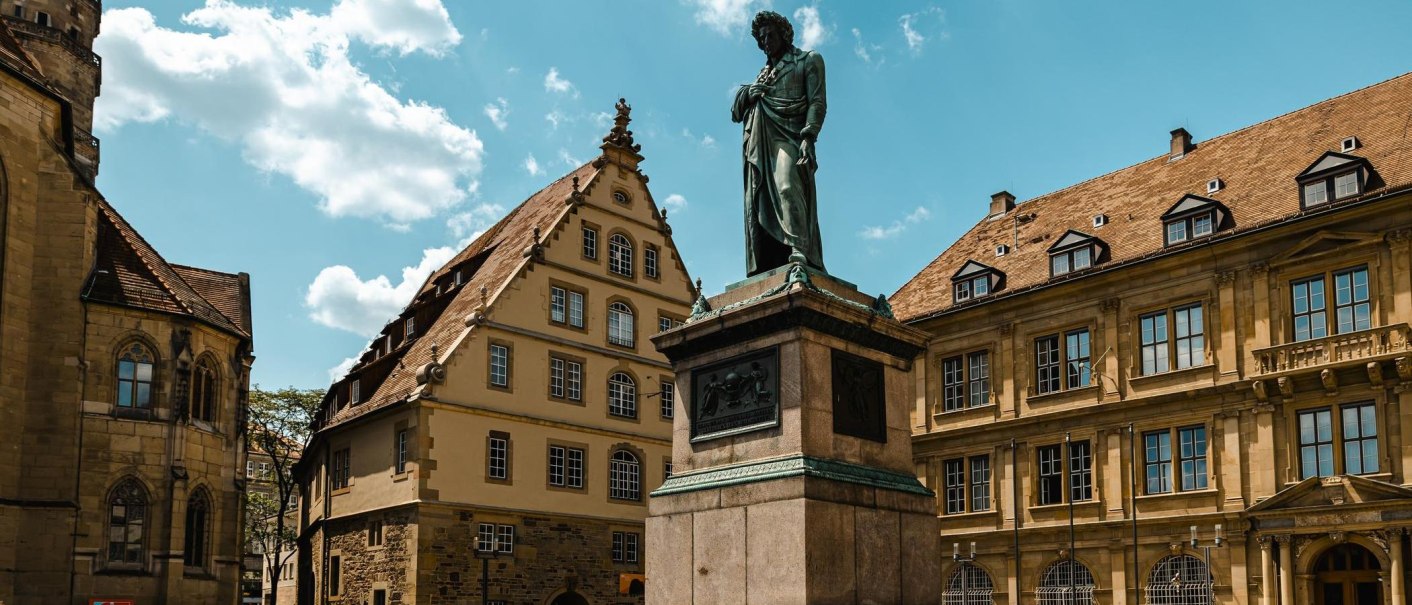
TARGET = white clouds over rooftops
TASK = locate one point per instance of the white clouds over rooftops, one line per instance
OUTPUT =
(282, 85)
(726, 17)
(553, 82)
(917, 215)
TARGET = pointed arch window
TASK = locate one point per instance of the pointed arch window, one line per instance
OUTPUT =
(1066, 582)
(620, 255)
(620, 324)
(1178, 580)
(622, 395)
(198, 529)
(127, 521)
(968, 585)
(135, 372)
(625, 476)
(203, 390)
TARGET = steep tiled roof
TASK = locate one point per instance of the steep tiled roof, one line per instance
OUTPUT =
(128, 271)
(225, 291)
(503, 247)
(1257, 165)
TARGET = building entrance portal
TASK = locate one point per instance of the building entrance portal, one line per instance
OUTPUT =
(1347, 574)
(570, 598)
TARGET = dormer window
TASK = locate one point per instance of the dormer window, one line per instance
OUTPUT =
(1074, 251)
(41, 18)
(409, 328)
(1335, 176)
(1193, 217)
(975, 280)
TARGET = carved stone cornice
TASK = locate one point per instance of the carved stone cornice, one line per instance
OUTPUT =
(1260, 267)
(1225, 278)
(1265, 542)
(1282, 539)
(1399, 236)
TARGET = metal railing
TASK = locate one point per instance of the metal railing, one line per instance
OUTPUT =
(1335, 350)
(31, 29)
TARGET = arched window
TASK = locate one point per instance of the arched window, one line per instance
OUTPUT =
(622, 395)
(135, 371)
(969, 585)
(127, 516)
(620, 324)
(1066, 582)
(203, 390)
(198, 525)
(624, 477)
(1179, 580)
(620, 255)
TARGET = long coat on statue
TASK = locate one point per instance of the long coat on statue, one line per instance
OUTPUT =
(781, 203)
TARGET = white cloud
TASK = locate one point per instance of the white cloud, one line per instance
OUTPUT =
(532, 166)
(555, 118)
(915, 38)
(467, 226)
(568, 159)
(554, 83)
(675, 202)
(337, 372)
(284, 88)
(497, 112)
(810, 27)
(865, 50)
(706, 141)
(339, 299)
(602, 119)
(727, 17)
(917, 215)
(512, 70)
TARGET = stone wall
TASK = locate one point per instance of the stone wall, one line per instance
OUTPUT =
(367, 568)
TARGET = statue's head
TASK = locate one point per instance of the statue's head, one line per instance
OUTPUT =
(772, 32)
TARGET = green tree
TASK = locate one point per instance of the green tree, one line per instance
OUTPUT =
(279, 423)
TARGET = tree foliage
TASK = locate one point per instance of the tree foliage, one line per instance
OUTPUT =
(279, 423)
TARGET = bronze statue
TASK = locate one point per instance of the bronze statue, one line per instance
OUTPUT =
(782, 112)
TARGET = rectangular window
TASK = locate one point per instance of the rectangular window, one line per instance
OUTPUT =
(1158, 447)
(1176, 232)
(499, 365)
(556, 465)
(961, 291)
(492, 537)
(565, 467)
(952, 385)
(649, 261)
(1193, 457)
(1351, 308)
(485, 537)
(460, 278)
(1078, 358)
(1154, 343)
(1316, 193)
(402, 451)
(355, 391)
(498, 456)
(1309, 309)
(573, 380)
(625, 547)
(1345, 185)
(1051, 475)
(20, 11)
(590, 243)
(669, 398)
(1360, 439)
(978, 378)
(375, 532)
(1058, 264)
(556, 377)
(41, 18)
(1047, 364)
(249, 469)
(335, 575)
(1082, 258)
(409, 328)
(955, 472)
(1080, 471)
(664, 323)
(666, 470)
(980, 483)
(1191, 337)
(1201, 225)
(576, 309)
(1316, 443)
(558, 305)
(338, 477)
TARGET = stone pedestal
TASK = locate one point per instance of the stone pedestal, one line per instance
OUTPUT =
(793, 476)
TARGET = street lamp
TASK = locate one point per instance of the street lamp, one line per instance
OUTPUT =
(956, 556)
(1217, 542)
(485, 555)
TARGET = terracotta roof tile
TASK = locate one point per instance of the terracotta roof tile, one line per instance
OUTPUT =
(225, 292)
(1257, 164)
(504, 243)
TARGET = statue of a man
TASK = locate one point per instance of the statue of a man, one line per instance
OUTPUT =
(782, 113)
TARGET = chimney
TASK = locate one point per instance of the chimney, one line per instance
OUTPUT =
(1002, 202)
(1181, 144)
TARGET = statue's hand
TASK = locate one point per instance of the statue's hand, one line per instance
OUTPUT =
(806, 154)
(755, 91)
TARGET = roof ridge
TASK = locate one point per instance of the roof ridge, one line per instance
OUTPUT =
(202, 269)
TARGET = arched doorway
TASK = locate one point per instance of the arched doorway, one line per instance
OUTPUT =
(569, 598)
(1347, 574)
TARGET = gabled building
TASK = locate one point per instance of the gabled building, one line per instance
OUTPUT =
(122, 376)
(1209, 348)
(514, 410)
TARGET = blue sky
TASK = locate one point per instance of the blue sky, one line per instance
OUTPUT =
(337, 150)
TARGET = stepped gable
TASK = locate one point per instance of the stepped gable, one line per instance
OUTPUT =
(129, 272)
(504, 245)
(1257, 165)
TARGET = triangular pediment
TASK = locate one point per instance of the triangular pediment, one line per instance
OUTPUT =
(1324, 242)
(1072, 239)
(1191, 203)
(1332, 491)
(1330, 162)
(970, 269)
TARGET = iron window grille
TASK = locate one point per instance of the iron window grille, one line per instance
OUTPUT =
(1178, 580)
(968, 585)
(1066, 582)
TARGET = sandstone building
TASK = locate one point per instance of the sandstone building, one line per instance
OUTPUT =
(516, 400)
(122, 376)
(1217, 339)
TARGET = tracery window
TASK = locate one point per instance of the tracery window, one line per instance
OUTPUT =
(198, 523)
(135, 374)
(127, 516)
(203, 390)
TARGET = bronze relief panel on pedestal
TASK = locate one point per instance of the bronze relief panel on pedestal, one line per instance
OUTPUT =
(738, 395)
(859, 404)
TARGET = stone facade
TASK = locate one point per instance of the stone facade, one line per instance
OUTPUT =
(124, 375)
(519, 390)
(1082, 421)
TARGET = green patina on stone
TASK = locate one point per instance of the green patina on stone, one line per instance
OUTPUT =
(798, 465)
